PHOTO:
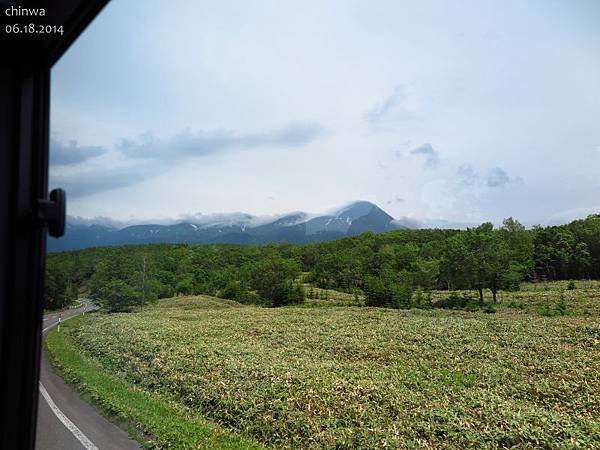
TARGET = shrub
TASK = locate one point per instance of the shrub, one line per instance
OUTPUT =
(489, 309)
(387, 291)
(232, 290)
(235, 290)
(376, 292)
(517, 305)
(295, 294)
(401, 296)
(454, 301)
(561, 304)
(472, 307)
(420, 299)
(558, 309)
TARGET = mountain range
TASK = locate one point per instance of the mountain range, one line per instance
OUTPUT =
(355, 218)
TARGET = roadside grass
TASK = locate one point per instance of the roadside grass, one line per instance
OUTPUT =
(343, 377)
(152, 420)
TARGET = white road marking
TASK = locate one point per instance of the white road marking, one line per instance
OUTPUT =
(66, 422)
(60, 415)
(58, 322)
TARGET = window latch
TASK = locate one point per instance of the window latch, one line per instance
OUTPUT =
(51, 212)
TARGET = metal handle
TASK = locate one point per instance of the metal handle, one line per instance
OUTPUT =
(51, 213)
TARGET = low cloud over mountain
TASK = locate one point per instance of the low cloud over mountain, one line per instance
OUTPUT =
(235, 228)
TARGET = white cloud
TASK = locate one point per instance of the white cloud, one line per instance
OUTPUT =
(431, 155)
(486, 88)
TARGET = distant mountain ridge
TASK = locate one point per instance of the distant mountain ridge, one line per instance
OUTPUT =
(299, 227)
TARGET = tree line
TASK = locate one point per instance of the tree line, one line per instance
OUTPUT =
(394, 269)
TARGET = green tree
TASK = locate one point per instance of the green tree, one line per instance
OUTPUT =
(581, 260)
(273, 279)
(426, 273)
(55, 287)
(71, 294)
(118, 296)
(389, 289)
(481, 258)
(185, 285)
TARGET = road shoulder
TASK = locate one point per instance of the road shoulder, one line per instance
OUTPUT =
(94, 429)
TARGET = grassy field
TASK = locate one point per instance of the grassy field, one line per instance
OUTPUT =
(356, 377)
(317, 297)
(155, 421)
(545, 298)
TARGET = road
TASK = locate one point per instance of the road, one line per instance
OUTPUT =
(64, 420)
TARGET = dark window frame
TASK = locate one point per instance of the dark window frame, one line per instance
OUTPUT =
(24, 134)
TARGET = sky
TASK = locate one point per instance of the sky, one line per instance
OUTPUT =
(464, 111)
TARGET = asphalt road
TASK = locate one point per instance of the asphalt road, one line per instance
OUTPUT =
(64, 420)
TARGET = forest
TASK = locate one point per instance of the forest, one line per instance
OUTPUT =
(397, 269)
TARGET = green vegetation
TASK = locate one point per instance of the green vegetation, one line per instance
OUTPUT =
(353, 377)
(483, 338)
(60, 291)
(152, 419)
(391, 269)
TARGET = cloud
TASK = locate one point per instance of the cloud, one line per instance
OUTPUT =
(401, 110)
(147, 156)
(464, 193)
(395, 200)
(200, 219)
(570, 214)
(381, 110)
(87, 182)
(96, 220)
(467, 175)
(432, 157)
(62, 154)
(497, 178)
(188, 144)
(411, 222)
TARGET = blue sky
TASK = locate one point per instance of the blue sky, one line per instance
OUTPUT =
(464, 111)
